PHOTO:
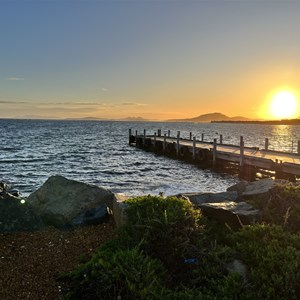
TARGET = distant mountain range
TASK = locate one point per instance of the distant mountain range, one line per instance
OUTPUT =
(207, 118)
(130, 119)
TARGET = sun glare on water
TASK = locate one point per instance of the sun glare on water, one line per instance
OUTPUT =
(283, 105)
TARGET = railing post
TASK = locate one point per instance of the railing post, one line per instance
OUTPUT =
(165, 142)
(215, 153)
(144, 137)
(169, 133)
(177, 144)
(154, 143)
(129, 140)
(159, 132)
(241, 151)
(266, 144)
(190, 136)
(194, 148)
(202, 137)
(221, 139)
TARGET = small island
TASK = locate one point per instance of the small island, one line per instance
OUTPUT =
(270, 122)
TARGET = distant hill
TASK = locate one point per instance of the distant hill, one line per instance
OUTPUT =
(134, 119)
(207, 118)
(264, 122)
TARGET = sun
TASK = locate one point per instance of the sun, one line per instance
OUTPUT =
(283, 105)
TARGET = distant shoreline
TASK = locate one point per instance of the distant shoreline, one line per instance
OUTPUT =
(271, 122)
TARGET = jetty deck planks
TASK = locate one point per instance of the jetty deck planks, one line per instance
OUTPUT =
(281, 163)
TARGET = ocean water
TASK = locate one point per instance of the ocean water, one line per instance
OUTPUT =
(97, 152)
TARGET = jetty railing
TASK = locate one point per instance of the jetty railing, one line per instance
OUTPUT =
(250, 161)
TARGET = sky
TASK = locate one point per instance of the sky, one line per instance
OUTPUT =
(153, 59)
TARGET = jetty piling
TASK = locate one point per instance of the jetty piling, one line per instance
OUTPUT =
(248, 161)
(194, 148)
(267, 144)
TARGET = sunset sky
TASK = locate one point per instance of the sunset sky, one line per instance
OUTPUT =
(153, 59)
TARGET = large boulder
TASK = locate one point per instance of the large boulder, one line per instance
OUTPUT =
(17, 215)
(239, 187)
(200, 198)
(232, 213)
(63, 202)
(261, 188)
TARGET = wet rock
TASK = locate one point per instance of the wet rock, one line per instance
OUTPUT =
(3, 187)
(232, 213)
(60, 200)
(200, 198)
(17, 215)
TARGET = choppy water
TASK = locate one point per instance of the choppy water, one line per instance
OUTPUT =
(98, 153)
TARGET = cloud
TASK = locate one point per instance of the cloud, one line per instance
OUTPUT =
(133, 104)
(87, 103)
(104, 89)
(13, 78)
(12, 102)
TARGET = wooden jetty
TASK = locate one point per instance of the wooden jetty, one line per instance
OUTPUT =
(249, 161)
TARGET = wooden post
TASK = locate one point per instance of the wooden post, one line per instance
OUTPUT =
(154, 143)
(190, 136)
(159, 132)
(202, 137)
(266, 144)
(194, 148)
(165, 142)
(241, 151)
(298, 148)
(169, 133)
(177, 144)
(221, 139)
(144, 137)
(129, 141)
(215, 153)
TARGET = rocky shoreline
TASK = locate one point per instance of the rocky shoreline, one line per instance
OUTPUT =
(65, 203)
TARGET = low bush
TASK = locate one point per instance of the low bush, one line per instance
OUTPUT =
(163, 227)
(282, 207)
(168, 251)
(127, 274)
(273, 258)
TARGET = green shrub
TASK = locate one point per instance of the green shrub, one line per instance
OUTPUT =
(273, 258)
(129, 274)
(163, 226)
(168, 251)
(282, 207)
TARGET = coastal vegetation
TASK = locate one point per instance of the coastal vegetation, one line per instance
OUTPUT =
(169, 250)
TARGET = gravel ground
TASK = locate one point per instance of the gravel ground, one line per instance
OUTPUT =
(31, 261)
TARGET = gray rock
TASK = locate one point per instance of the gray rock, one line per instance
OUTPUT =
(17, 215)
(259, 188)
(232, 213)
(239, 187)
(3, 187)
(200, 198)
(93, 216)
(59, 201)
